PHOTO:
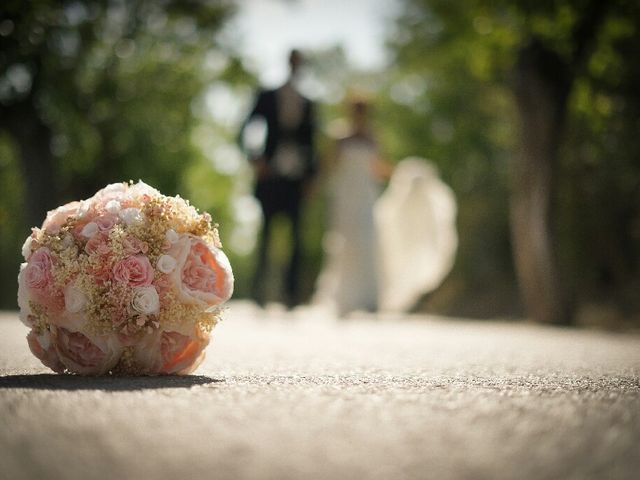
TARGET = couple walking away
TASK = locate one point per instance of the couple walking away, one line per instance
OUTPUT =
(408, 233)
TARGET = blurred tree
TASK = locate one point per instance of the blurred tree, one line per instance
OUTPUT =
(102, 85)
(97, 91)
(562, 73)
(544, 77)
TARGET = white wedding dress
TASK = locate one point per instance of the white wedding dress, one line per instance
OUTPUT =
(385, 253)
(417, 235)
(349, 280)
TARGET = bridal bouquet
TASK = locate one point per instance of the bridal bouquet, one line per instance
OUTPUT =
(127, 282)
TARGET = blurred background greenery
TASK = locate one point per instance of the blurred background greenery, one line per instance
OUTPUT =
(530, 110)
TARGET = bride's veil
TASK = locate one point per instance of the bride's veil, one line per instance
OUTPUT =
(417, 237)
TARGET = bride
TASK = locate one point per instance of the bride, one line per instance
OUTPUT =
(383, 252)
(349, 280)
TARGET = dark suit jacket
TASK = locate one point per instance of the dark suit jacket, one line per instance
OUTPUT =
(266, 106)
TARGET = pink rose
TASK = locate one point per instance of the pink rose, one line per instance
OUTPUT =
(197, 273)
(134, 270)
(37, 273)
(82, 355)
(44, 350)
(56, 218)
(133, 245)
(106, 222)
(35, 283)
(203, 274)
(98, 244)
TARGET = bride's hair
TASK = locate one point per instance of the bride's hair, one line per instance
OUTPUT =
(358, 105)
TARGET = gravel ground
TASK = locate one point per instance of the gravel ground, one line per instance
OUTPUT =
(299, 395)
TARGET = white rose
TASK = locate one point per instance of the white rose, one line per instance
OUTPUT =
(146, 300)
(166, 264)
(74, 299)
(113, 207)
(171, 236)
(90, 229)
(83, 209)
(26, 247)
(131, 216)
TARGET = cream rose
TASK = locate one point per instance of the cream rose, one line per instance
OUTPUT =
(166, 264)
(203, 275)
(74, 299)
(146, 300)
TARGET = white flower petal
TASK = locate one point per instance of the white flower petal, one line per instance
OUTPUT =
(90, 229)
(131, 216)
(26, 247)
(83, 209)
(113, 207)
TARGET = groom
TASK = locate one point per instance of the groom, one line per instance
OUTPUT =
(283, 171)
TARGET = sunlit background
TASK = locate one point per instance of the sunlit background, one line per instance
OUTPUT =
(93, 92)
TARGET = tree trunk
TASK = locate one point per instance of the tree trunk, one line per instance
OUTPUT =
(541, 90)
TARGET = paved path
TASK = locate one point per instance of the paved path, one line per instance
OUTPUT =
(289, 396)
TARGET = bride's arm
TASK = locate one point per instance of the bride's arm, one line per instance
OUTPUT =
(382, 168)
